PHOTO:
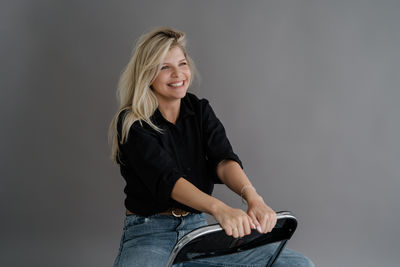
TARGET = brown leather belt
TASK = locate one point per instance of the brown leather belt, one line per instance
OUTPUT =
(171, 211)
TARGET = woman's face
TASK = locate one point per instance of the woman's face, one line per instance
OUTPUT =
(173, 80)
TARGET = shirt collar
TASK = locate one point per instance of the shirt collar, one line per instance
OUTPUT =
(185, 110)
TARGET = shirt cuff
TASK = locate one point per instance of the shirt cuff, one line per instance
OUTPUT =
(231, 156)
(167, 185)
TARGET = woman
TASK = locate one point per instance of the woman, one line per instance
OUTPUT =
(172, 149)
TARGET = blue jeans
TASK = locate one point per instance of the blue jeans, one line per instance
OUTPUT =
(148, 241)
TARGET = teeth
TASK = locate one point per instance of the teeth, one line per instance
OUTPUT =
(176, 84)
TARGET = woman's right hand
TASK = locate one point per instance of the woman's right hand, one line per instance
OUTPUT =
(235, 222)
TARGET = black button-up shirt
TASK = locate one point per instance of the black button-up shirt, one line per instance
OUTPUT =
(152, 162)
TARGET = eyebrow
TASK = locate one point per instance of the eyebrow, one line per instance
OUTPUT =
(184, 59)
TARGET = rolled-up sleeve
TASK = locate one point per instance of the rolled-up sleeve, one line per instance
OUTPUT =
(151, 163)
(217, 144)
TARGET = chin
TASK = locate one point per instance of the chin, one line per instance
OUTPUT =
(180, 94)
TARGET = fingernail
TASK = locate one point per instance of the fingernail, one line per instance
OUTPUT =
(259, 229)
(253, 226)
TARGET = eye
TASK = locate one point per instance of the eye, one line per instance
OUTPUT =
(164, 67)
(183, 63)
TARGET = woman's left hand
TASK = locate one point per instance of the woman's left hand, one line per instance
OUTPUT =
(262, 215)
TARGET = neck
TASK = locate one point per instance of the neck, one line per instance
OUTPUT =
(170, 110)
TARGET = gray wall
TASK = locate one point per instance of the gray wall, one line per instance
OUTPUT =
(307, 90)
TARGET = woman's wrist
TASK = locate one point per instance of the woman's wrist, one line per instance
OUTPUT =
(216, 207)
(250, 194)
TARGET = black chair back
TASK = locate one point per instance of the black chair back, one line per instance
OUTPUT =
(211, 241)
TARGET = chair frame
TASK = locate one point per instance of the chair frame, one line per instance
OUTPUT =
(281, 237)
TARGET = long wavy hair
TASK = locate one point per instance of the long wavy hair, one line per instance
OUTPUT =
(134, 93)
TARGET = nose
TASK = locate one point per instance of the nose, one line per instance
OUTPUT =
(175, 72)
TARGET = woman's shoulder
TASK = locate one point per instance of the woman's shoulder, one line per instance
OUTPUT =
(195, 102)
(138, 127)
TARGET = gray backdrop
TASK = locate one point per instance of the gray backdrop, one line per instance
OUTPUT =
(308, 92)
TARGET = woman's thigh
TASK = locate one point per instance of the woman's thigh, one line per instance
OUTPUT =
(151, 250)
(148, 241)
(255, 258)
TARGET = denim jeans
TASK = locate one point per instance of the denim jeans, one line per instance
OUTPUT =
(148, 241)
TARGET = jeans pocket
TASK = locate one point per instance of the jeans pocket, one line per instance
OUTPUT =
(199, 221)
(132, 220)
(136, 226)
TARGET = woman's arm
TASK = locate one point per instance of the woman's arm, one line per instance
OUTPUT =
(232, 175)
(235, 222)
(188, 194)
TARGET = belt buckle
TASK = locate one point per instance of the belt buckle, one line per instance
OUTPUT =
(174, 212)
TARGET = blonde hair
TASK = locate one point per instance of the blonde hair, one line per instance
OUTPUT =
(133, 92)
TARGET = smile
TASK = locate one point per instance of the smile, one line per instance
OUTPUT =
(178, 84)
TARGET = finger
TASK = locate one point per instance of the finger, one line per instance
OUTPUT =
(255, 221)
(240, 229)
(246, 227)
(252, 225)
(267, 223)
(264, 224)
(271, 221)
(235, 233)
(274, 221)
(260, 223)
(228, 231)
(270, 225)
